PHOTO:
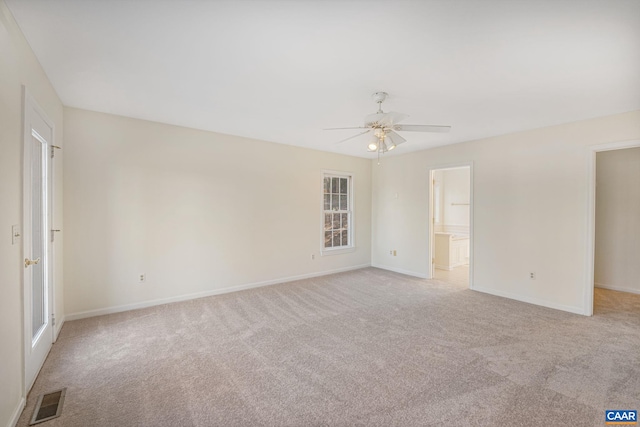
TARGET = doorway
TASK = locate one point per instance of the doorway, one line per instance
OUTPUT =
(617, 228)
(450, 235)
(590, 283)
(37, 276)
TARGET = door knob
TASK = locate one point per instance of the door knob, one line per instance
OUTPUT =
(28, 262)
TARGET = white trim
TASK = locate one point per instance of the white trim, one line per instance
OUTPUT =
(432, 225)
(617, 288)
(336, 251)
(352, 213)
(530, 300)
(16, 413)
(400, 270)
(186, 297)
(590, 234)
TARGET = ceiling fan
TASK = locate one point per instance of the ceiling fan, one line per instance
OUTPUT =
(384, 126)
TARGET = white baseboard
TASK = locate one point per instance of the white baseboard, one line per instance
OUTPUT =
(186, 297)
(400, 270)
(443, 267)
(16, 414)
(617, 288)
(531, 300)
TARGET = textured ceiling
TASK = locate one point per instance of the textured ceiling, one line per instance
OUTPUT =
(282, 71)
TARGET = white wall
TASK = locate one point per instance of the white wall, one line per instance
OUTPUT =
(617, 249)
(438, 200)
(457, 190)
(18, 66)
(530, 208)
(197, 212)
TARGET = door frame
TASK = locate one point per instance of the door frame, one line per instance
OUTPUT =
(431, 215)
(591, 216)
(30, 106)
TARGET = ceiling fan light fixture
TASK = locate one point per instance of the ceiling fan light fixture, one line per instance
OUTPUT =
(374, 143)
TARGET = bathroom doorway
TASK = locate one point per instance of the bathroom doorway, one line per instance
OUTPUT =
(602, 281)
(617, 231)
(450, 235)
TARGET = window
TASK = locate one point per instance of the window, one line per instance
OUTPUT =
(337, 211)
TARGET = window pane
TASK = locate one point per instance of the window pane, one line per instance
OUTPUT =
(327, 239)
(336, 238)
(336, 222)
(336, 202)
(343, 203)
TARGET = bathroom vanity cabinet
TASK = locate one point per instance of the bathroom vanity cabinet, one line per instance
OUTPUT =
(451, 250)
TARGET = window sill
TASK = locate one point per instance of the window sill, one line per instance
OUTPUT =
(326, 252)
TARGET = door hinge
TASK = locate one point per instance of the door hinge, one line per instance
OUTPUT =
(53, 319)
(53, 234)
(53, 150)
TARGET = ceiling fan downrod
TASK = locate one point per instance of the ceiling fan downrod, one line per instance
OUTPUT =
(379, 98)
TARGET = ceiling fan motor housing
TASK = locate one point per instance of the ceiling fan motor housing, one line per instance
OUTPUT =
(372, 120)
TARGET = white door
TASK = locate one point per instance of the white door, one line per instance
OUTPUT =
(38, 135)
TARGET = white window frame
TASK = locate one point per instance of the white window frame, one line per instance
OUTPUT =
(351, 212)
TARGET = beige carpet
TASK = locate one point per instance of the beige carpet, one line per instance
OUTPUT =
(363, 348)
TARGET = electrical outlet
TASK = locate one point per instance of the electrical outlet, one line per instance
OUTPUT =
(532, 275)
(313, 256)
(391, 252)
(142, 278)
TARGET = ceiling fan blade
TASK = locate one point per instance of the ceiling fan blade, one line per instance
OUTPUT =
(394, 138)
(354, 136)
(391, 118)
(357, 127)
(422, 128)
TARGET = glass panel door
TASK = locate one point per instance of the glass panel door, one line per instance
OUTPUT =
(38, 235)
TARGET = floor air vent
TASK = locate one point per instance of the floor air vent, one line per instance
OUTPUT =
(49, 406)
